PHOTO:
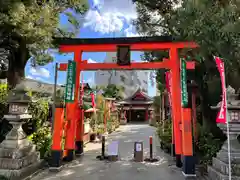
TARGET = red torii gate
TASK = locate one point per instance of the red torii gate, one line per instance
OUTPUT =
(182, 134)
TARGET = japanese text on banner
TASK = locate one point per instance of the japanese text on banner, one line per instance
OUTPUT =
(70, 86)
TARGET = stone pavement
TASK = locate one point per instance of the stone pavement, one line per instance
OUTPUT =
(89, 168)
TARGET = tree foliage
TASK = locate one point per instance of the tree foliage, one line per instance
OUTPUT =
(28, 26)
(213, 24)
(111, 91)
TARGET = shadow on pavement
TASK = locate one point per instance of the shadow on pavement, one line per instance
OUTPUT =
(88, 167)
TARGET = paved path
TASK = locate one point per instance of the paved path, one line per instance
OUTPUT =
(89, 168)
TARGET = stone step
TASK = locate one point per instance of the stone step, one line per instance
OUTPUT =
(24, 173)
(17, 153)
(8, 163)
(213, 174)
(223, 167)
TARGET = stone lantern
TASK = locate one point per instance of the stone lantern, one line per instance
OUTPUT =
(219, 169)
(18, 157)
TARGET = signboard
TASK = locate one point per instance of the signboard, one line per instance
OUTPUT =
(123, 55)
(71, 78)
(184, 93)
(138, 147)
(113, 148)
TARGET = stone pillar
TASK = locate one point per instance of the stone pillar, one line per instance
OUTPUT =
(18, 156)
(220, 167)
(146, 115)
(151, 119)
(123, 119)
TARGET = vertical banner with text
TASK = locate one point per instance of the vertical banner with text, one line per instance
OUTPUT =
(222, 114)
(168, 79)
(70, 85)
(184, 92)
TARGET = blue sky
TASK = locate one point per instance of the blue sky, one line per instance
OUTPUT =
(104, 19)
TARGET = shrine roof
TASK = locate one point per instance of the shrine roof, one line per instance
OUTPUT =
(139, 97)
(117, 40)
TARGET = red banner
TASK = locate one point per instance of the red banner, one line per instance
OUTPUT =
(222, 114)
(93, 100)
(168, 78)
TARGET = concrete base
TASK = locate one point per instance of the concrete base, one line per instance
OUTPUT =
(23, 173)
(79, 148)
(56, 159)
(178, 160)
(70, 155)
(55, 169)
(189, 176)
(189, 166)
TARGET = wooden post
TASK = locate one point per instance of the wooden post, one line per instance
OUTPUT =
(78, 101)
(176, 103)
(188, 157)
(70, 131)
(57, 138)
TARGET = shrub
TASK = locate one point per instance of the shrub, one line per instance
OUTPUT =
(42, 139)
(42, 129)
(164, 132)
(4, 125)
(3, 177)
(3, 100)
(110, 127)
(207, 146)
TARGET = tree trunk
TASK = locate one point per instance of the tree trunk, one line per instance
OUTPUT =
(17, 63)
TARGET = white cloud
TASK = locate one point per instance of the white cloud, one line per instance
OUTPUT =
(39, 72)
(108, 16)
(104, 23)
(34, 78)
(89, 80)
(29, 77)
(91, 61)
(124, 7)
(97, 4)
(39, 79)
(131, 32)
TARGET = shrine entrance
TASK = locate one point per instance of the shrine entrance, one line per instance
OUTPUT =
(137, 107)
(137, 116)
(182, 128)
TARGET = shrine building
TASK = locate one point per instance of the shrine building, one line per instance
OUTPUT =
(137, 107)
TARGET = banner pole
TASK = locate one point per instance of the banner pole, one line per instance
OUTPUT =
(54, 94)
(224, 105)
(227, 122)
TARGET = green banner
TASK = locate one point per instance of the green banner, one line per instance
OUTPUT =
(184, 92)
(71, 78)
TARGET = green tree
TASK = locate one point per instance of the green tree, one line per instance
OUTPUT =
(27, 28)
(213, 24)
(111, 91)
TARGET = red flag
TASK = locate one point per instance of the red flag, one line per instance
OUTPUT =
(222, 114)
(93, 100)
(168, 79)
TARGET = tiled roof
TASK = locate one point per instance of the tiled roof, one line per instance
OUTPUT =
(143, 98)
